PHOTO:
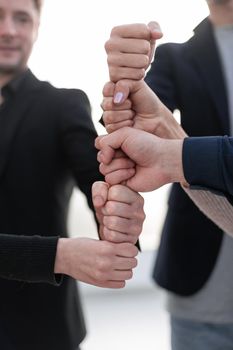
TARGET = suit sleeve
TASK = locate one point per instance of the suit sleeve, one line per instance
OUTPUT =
(208, 167)
(160, 77)
(28, 258)
(208, 162)
(78, 136)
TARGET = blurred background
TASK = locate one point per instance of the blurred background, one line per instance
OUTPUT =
(70, 53)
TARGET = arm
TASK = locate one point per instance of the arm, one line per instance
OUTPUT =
(160, 161)
(44, 259)
(122, 96)
(77, 137)
(102, 263)
(28, 258)
(207, 164)
(109, 262)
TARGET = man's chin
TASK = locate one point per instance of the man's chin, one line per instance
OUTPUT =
(9, 68)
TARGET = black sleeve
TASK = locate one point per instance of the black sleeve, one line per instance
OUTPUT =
(78, 138)
(208, 162)
(28, 258)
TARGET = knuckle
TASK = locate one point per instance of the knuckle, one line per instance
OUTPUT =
(113, 192)
(110, 207)
(140, 74)
(139, 215)
(114, 31)
(113, 74)
(108, 104)
(98, 275)
(112, 236)
(145, 60)
(108, 46)
(108, 118)
(110, 128)
(145, 46)
(129, 275)
(133, 251)
(102, 169)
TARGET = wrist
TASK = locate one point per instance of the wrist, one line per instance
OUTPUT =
(169, 128)
(173, 162)
(61, 260)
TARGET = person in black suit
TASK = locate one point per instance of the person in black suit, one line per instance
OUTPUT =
(196, 78)
(46, 147)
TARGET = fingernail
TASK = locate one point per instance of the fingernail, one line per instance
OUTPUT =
(118, 97)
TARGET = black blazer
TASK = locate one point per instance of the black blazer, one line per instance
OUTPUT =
(46, 146)
(189, 77)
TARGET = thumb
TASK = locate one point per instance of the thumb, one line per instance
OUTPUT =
(156, 33)
(99, 193)
(123, 88)
(155, 29)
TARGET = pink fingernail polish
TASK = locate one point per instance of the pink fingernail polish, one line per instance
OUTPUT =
(118, 97)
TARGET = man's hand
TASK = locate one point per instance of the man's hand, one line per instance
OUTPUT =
(158, 161)
(100, 263)
(119, 211)
(130, 50)
(128, 101)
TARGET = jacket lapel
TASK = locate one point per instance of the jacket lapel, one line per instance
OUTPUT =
(209, 65)
(12, 116)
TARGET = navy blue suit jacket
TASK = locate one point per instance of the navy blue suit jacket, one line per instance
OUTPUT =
(208, 163)
(189, 77)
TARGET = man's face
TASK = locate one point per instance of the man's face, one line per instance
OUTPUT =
(19, 22)
(219, 2)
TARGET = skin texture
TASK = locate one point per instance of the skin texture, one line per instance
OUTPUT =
(130, 102)
(110, 262)
(157, 161)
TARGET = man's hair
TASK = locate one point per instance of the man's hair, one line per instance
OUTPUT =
(38, 4)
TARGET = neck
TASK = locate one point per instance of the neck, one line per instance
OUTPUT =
(221, 15)
(5, 78)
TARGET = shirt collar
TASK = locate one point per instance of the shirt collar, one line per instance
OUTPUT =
(13, 86)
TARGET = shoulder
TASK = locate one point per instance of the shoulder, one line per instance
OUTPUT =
(170, 50)
(62, 93)
(62, 98)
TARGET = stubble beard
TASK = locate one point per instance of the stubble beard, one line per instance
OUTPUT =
(11, 68)
(218, 2)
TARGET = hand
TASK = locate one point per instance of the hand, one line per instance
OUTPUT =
(100, 263)
(130, 50)
(119, 211)
(139, 108)
(130, 102)
(158, 161)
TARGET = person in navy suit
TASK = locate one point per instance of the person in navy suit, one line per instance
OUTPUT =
(196, 78)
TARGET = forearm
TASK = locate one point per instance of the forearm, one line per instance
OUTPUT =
(28, 258)
(207, 162)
